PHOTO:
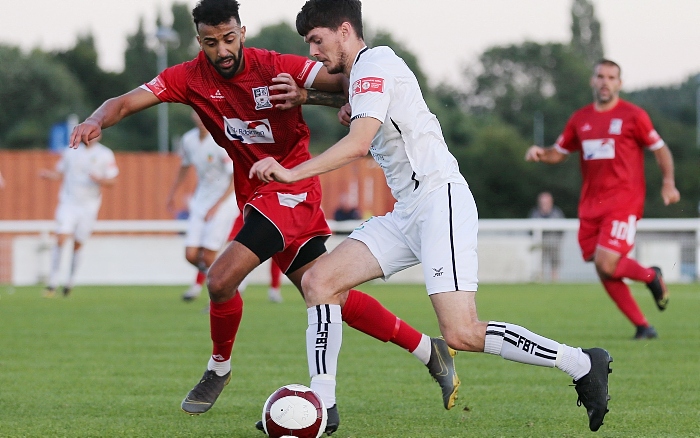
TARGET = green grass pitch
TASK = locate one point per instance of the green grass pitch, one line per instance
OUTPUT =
(117, 361)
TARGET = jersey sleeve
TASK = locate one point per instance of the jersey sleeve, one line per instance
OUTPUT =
(170, 85)
(303, 70)
(568, 140)
(370, 92)
(109, 166)
(645, 133)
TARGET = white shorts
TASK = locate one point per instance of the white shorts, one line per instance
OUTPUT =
(211, 234)
(440, 234)
(77, 220)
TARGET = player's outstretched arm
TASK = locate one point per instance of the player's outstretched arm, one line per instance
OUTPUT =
(669, 192)
(548, 155)
(110, 113)
(289, 94)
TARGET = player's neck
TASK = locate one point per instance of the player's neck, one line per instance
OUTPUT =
(606, 106)
(355, 47)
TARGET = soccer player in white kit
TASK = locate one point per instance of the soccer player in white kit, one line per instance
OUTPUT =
(213, 206)
(84, 171)
(434, 221)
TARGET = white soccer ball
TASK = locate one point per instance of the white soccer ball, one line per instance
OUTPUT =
(294, 411)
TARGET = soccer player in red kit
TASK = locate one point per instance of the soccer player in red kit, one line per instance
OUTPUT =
(611, 136)
(247, 99)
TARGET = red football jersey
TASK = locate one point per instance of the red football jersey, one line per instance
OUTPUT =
(611, 146)
(239, 115)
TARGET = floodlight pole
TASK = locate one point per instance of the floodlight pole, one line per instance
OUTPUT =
(165, 36)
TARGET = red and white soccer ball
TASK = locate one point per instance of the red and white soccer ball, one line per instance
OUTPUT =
(294, 411)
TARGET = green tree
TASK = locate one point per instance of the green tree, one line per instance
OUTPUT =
(82, 61)
(517, 81)
(585, 31)
(36, 91)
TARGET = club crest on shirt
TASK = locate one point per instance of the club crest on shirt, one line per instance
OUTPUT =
(368, 85)
(262, 98)
(615, 127)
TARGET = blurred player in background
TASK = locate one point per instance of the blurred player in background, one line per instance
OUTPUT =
(551, 240)
(247, 99)
(434, 221)
(611, 136)
(212, 208)
(84, 171)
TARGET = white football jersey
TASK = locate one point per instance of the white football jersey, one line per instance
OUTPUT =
(409, 145)
(77, 165)
(214, 170)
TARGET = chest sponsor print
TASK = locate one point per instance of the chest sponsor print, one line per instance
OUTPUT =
(249, 132)
(598, 149)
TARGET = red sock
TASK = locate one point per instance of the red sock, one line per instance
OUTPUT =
(621, 295)
(201, 276)
(364, 313)
(224, 319)
(275, 275)
(629, 268)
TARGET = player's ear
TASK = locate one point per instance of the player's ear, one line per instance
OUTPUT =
(243, 34)
(199, 42)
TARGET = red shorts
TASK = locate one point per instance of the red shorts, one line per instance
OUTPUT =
(614, 232)
(298, 217)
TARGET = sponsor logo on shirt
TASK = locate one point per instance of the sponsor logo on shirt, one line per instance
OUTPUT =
(262, 98)
(598, 149)
(308, 65)
(368, 85)
(157, 85)
(249, 132)
(615, 127)
(217, 95)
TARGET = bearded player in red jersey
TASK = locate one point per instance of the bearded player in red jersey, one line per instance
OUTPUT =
(231, 88)
(611, 136)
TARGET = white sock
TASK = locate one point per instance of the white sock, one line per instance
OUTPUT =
(519, 344)
(423, 350)
(324, 385)
(55, 265)
(221, 368)
(573, 361)
(74, 267)
(324, 337)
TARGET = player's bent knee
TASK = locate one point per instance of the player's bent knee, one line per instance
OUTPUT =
(317, 288)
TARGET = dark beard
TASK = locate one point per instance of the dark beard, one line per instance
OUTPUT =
(229, 73)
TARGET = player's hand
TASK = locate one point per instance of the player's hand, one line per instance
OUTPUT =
(344, 114)
(84, 133)
(288, 93)
(268, 170)
(534, 153)
(669, 193)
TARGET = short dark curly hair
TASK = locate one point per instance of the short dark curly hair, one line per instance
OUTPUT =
(215, 12)
(329, 14)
